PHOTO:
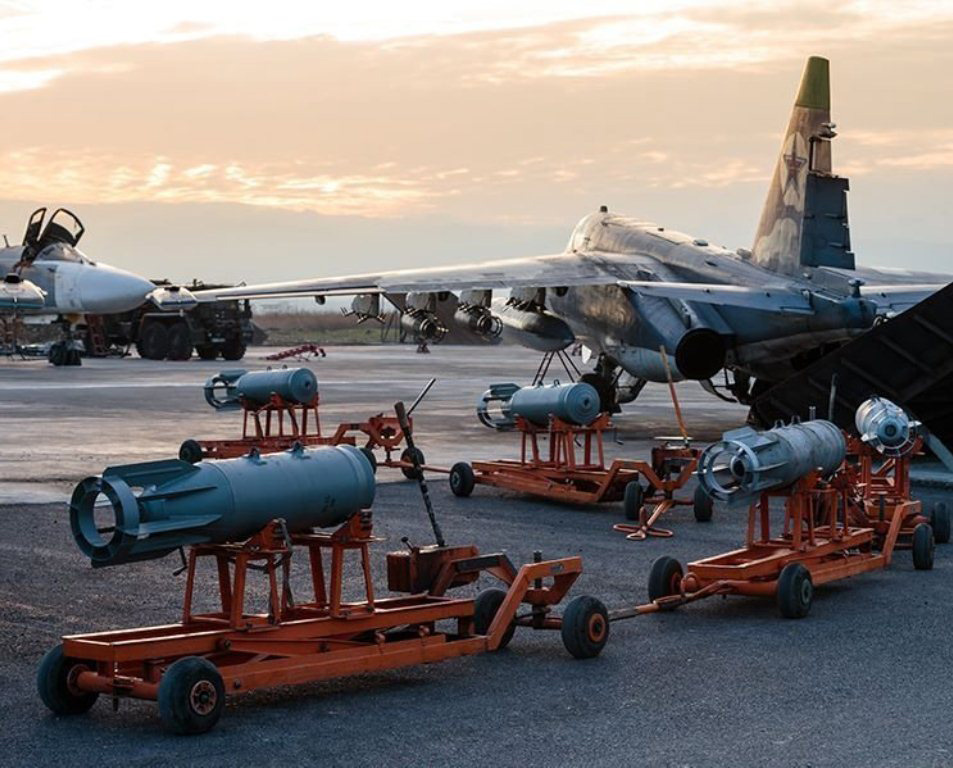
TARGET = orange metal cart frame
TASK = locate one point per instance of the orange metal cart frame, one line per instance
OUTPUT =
(325, 637)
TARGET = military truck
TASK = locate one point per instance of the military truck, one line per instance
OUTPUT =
(209, 329)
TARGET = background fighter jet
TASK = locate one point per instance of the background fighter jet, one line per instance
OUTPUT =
(48, 275)
(627, 288)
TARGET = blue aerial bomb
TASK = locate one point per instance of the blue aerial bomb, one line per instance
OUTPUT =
(226, 390)
(179, 504)
(576, 404)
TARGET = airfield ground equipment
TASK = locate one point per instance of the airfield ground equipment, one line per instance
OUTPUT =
(301, 353)
(571, 467)
(280, 408)
(878, 460)
(210, 329)
(252, 515)
(802, 466)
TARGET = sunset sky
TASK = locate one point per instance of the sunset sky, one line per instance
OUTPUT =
(277, 140)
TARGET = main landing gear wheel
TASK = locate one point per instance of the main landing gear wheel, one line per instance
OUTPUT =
(940, 521)
(462, 479)
(703, 505)
(409, 472)
(585, 627)
(55, 682)
(795, 591)
(924, 546)
(632, 500)
(603, 388)
(665, 579)
(485, 608)
(191, 696)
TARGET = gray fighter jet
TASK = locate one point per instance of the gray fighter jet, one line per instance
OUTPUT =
(48, 275)
(627, 288)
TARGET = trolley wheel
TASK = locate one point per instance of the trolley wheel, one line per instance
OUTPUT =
(795, 591)
(409, 472)
(191, 451)
(940, 520)
(191, 696)
(585, 627)
(371, 458)
(462, 479)
(632, 500)
(665, 578)
(703, 505)
(207, 351)
(485, 606)
(924, 545)
(54, 683)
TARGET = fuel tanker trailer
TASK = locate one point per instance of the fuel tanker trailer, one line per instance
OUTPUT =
(145, 511)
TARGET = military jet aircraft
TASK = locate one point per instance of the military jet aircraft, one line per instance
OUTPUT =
(48, 275)
(627, 288)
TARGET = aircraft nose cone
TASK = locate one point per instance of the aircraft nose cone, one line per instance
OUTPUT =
(106, 290)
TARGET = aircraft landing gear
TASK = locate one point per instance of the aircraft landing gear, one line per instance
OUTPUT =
(66, 351)
(613, 385)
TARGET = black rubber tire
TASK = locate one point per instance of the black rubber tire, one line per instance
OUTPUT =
(57, 354)
(603, 388)
(191, 451)
(703, 505)
(206, 351)
(52, 683)
(462, 479)
(940, 520)
(191, 696)
(180, 341)
(233, 349)
(73, 357)
(795, 591)
(371, 458)
(665, 578)
(153, 341)
(924, 546)
(632, 500)
(485, 606)
(585, 627)
(405, 455)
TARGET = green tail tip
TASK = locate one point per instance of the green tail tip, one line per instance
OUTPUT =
(815, 91)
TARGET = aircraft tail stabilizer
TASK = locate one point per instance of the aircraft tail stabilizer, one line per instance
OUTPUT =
(804, 220)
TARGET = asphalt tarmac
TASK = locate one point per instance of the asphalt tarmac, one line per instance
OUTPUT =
(862, 681)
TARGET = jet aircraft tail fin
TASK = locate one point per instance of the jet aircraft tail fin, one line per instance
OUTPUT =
(804, 220)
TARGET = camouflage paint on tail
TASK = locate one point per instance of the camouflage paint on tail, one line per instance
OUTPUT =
(777, 244)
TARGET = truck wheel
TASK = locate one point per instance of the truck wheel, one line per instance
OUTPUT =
(57, 353)
(233, 349)
(665, 578)
(485, 607)
(795, 591)
(207, 351)
(180, 341)
(54, 683)
(191, 696)
(462, 479)
(632, 500)
(940, 520)
(585, 627)
(923, 547)
(153, 341)
(703, 505)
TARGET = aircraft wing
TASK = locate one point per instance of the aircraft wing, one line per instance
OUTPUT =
(767, 299)
(899, 297)
(534, 272)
